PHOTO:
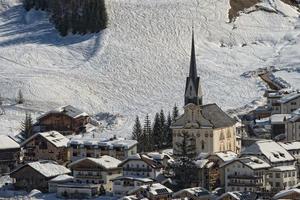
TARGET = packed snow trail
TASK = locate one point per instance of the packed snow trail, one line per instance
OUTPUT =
(138, 65)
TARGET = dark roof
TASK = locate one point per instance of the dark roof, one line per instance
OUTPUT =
(216, 116)
(67, 110)
(212, 116)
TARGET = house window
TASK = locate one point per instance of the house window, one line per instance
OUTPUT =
(202, 145)
(277, 184)
(277, 175)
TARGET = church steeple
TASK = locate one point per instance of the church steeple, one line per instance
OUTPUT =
(193, 91)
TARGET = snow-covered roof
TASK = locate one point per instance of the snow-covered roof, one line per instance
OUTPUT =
(154, 189)
(54, 137)
(47, 168)
(196, 191)
(133, 178)
(143, 157)
(235, 195)
(290, 145)
(67, 110)
(103, 142)
(62, 178)
(279, 118)
(289, 97)
(295, 116)
(105, 161)
(270, 149)
(226, 156)
(7, 143)
(287, 193)
(283, 168)
(251, 162)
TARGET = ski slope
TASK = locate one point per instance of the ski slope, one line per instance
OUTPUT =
(138, 65)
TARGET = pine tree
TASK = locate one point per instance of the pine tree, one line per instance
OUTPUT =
(102, 190)
(175, 113)
(27, 125)
(186, 147)
(156, 133)
(147, 135)
(137, 133)
(163, 127)
(169, 131)
(20, 97)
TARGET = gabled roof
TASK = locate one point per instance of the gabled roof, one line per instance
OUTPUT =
(287, 193)
(211, 116)
(8, 143)
(134, 178)
(196, 192)
(252, 162)
(54, 137)
(149, 161)
(46, 168)
(290, 145)
(67, 110)
(154, 189)
(226, 156)
(270, 149)
(106, 162)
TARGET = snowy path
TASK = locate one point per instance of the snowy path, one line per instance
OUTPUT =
(139, 64)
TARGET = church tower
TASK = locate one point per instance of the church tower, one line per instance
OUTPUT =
(193, 91)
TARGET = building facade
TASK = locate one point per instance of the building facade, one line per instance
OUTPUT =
(96, 147)
(46, 146)
(9, 154)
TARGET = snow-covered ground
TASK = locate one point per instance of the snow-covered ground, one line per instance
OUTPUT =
(138, 65)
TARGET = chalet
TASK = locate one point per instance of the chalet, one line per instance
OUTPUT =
(237, 195)
(246, 174)
(196, 193)
(156, 191)
(293, 148)
(46, 146)
(96, 147)
(66, 120)
(61, 179)
(141, 165)
(123, 184)
(36, 175)
(9, 154)
(97, 171)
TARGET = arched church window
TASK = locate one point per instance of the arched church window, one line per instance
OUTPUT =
(202, 145)
(222, 136)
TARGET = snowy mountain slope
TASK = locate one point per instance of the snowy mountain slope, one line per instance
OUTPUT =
(138, 65)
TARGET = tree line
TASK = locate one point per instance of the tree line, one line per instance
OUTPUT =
(73, 16)
(156, 135)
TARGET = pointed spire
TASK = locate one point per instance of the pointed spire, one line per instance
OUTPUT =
(193, 67)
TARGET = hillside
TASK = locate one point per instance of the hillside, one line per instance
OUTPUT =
(138, 65)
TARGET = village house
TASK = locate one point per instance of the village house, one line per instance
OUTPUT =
(196, 193)
(61, 179)
(36, 175)
(246, 174)
(99, 171)
(293, 127)
(216, 174)
(272, 101)
(289, 103)
(156, 191)
(46, 146)
(283, 172)
(278, 124)
(293, 148)
(66, 120)
(95, 147)
(9, 154)
(210, 129)
(142, 166)
(123, 184)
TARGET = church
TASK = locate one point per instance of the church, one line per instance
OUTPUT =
(207, 126)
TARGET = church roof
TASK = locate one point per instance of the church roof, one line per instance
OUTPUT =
(212, 116)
